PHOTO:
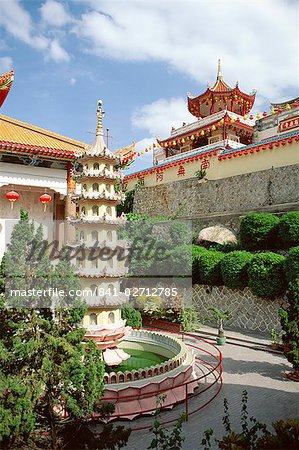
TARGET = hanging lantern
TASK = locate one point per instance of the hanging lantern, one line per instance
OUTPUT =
(202, 133)
(232, 120)
(44, 199)
(213, 128)
(183, 141)
(295, 104)
(251, 117)
(192, 137)
(187, 138)
(245, 117)
(264, 114)
(272, 111)
(222, 121)
(258, 116)
(279, 110)
(12, 196)
(288, 106)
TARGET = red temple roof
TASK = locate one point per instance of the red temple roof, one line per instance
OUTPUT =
(5, 84)
(219, 97)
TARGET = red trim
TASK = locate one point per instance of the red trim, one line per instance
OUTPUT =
(15, 148)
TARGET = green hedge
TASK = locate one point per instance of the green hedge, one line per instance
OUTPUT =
(288, 229)
(259, 231)
(292, 264)
(266, 274)
(197, 251)
(132, 316)
(234, 267)
(209, 268)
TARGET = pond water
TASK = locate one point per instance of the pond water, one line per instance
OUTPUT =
(139, 360)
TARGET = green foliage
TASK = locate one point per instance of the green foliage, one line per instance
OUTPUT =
(254, 434)
(234, 267)
(288, 228)
(209, 268)
(200, 174)
(132, 316)
(163, 438)
(259, 231)
(266, 275)
(188, 317)
(292, 264)
(197, 251)
(289, 318)
(220, 316)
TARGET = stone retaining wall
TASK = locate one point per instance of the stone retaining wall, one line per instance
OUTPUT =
(248, 311)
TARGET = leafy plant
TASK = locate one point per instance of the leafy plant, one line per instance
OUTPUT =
(197, 251)
(288, 228)
(258, 231)
(188, 317)
(132, 316)
(234, 267)
(200, 174)
(209, 268)
(163, 438)
(220, 316)
(292, 264)
(266, 274)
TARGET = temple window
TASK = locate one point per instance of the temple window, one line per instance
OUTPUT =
(81, 235)
(95, 210)
(94, 289)
(83, 210)
(94, 235)
(109, 235)
(95, 187)
(109, 210)
(108, 187)
(93, 320)
(96, 166)
(111, 317)
(84, 187)
(107, 166)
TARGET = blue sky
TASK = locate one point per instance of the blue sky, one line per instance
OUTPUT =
(141, 57)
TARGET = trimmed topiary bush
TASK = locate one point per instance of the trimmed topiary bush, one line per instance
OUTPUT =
(259, 231)
(209, 268)
(288, 229)
(234, 268)
(197, 251)
(266, 274)
(292, 264)
(132, 316)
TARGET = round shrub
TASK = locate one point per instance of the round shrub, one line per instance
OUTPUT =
(234, 267)
(209, 268)
(288, 229)
(266, 274)
(132, 316)
(197, 251)
(259, 231)
(292, 264)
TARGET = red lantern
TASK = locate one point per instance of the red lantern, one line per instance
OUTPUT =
(251, 117)
(295, 104)
(44, 199)
(264, 113)
(12, 196)
(279, 110)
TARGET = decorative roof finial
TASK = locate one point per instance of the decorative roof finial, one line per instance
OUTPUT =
(100, 115)
(219, 73)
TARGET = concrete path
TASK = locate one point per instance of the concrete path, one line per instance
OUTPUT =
(271, 396)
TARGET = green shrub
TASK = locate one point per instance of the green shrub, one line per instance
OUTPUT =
(197, 251)
(292, 264)
(132, 316)
(288, 228)
(189, 319)
(259, 231)
(289, 319)
(209, 268)
(234, 268)
(266, 274)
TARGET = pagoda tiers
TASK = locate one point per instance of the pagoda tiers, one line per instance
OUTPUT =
(96, 232)
(223, 120)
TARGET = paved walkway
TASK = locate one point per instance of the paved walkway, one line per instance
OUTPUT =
(246, 365)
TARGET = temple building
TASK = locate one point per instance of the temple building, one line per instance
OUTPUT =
(225, 140)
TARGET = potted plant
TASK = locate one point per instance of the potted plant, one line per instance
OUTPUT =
(220, 316)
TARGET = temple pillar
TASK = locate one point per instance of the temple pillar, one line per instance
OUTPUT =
(70, 207)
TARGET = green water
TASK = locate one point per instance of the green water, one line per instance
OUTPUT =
(139, 360)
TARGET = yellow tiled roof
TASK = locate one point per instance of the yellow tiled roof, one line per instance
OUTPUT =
(15, 131)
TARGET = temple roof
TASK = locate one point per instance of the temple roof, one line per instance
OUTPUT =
(5, 84)
(219, 97)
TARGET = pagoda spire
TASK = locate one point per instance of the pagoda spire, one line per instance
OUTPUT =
(100, 115)
(219, 72)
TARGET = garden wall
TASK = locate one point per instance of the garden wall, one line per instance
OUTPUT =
(248, 311)
(223, 201)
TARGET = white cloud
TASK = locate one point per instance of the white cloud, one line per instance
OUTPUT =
(257, 41)
(5, 64)
(73, 81)
(56, 52)
(54, 13)
(17, 22)
(158, 117)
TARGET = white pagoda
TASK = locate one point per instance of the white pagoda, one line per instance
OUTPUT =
(96, 234)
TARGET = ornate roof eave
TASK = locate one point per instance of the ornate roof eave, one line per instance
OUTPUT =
(6, 81)
(226, 115)
(15, 148)
(210, 92)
